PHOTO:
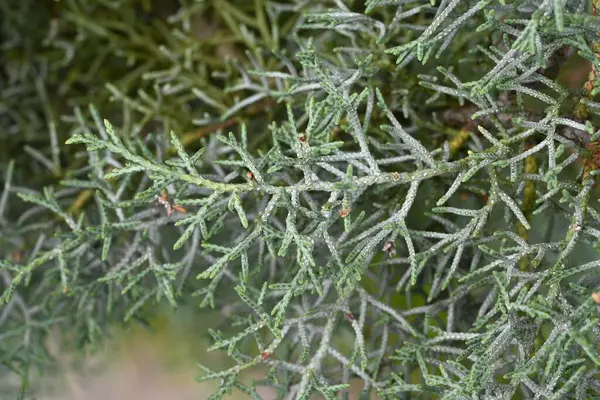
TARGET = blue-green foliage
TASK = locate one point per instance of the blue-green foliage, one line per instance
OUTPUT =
(410, 174)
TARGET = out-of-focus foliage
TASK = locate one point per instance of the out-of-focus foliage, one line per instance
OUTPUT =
(400, 191)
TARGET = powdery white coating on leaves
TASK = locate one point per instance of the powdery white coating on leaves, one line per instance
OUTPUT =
(292, 218)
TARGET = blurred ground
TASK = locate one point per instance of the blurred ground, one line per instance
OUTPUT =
(138, 363)
(158, 364)
(138, 372)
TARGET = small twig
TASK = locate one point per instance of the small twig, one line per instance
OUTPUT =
(189, 138)
(315, 363)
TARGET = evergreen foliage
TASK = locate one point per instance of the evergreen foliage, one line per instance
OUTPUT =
(401, 191)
